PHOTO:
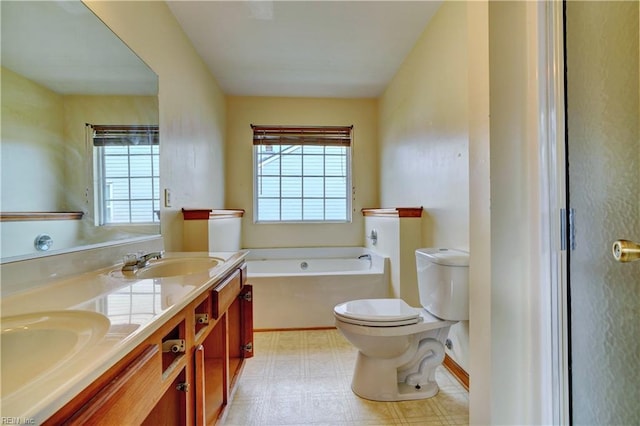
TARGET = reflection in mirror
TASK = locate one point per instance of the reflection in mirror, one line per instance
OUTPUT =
(62, 69)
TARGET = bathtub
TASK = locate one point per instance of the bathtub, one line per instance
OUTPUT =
(296, 288)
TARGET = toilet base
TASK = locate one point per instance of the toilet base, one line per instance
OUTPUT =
(404, 393)
(397, 363)
(378, 380)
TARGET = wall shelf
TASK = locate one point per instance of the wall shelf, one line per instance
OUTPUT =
(33, 216)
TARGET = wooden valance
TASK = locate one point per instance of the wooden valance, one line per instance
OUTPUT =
(393, 212)
(207, 214)
(302, 135)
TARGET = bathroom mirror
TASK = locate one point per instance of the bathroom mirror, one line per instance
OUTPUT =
(63, 68)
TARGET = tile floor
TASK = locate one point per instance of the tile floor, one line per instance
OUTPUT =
(304, 378)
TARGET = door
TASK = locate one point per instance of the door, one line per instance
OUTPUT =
(603, 152)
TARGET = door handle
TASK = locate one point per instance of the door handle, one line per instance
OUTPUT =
(626, 251)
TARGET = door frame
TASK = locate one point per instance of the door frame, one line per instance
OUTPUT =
(555, 352)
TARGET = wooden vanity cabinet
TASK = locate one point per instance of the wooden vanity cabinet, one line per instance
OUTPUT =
(130, 391)
(150, 386)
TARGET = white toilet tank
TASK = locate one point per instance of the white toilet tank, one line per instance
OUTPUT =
(443, 282)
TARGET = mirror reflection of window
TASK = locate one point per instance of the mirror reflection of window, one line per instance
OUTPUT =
(127, 176)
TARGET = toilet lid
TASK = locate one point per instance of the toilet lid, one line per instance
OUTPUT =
(387, 312)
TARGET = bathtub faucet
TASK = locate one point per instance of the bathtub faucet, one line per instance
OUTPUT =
(134, 261)
(365, 256)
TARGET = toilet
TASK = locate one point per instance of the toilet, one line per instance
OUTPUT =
(399, 346)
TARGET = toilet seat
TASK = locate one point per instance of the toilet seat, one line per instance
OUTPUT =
(378, 323)
(377, 313)
(385, 317)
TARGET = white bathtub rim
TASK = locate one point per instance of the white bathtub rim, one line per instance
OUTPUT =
(291, 257)
(307, 252)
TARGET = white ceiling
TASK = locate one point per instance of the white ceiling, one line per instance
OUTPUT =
(303, 48)
(253, 48)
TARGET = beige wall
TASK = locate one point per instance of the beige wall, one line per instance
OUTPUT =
(423, 131)
(424, 141)
(243, 111)
(192, 108)
(32, 146)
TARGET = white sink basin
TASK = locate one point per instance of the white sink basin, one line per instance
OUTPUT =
(34, 344)
(172, 267)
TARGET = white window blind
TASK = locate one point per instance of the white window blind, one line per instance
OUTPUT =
(127, 173)
(302, 174)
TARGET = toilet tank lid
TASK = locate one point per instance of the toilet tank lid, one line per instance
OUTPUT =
(445, 256)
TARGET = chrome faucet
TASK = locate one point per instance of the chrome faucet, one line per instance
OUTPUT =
(135, 261)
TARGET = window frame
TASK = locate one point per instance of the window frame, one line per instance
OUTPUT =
(118, 135)
(304, 136)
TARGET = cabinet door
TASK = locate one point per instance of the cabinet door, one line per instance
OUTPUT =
(128, 398)
(173, 408)
(211, 375)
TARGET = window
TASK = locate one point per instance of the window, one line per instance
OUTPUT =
(127, 174)
(302, 174)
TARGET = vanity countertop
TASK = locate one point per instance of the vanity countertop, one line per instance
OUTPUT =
(136, 308)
